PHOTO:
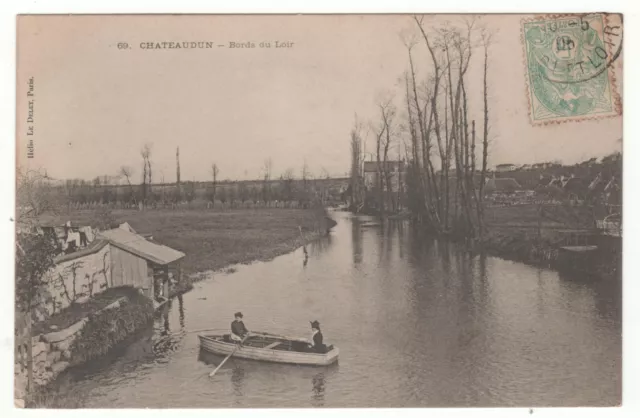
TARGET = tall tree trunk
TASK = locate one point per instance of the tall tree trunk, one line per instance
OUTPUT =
(445, 169)
(485, 144)
(379, 177)
(473, 148)
(178, 186)
(443, 197)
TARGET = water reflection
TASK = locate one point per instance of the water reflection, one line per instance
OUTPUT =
(320, 245)
(356, 241)
(237, 380)
(401, 238)
(318, 384)
(165, 341)
(181, 311)
(165, 320)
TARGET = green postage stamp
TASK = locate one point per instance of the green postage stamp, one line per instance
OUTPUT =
(571, 66)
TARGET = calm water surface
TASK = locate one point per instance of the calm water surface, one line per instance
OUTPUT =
(418, 323)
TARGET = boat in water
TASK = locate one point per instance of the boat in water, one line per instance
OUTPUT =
(270, 348)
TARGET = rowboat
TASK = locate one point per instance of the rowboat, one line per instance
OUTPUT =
(270, 348)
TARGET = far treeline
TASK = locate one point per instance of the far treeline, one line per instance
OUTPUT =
(123, 190)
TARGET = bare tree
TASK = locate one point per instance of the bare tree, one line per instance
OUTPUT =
(163, 197)
(145, 153)
(178, 186)
(383, 136)
(357, 157)
(266, 185)
(214, 183)
(388, 116)
(127, 172)
(305, 175)
(438, 110)
(486, 42)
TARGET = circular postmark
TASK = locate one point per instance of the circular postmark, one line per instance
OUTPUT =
(575, 49)
(568, 58)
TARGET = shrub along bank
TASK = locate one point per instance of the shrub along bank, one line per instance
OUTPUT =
(87, 339)
(109, 327)
(546, 250)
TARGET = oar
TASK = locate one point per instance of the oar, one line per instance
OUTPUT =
(229, 356)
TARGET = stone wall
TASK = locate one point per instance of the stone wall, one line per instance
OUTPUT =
(52, 352)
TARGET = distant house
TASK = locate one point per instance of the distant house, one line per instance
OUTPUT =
(550, 191)
(613, 192)
(500, 168)
(575, 187)
(501, 186)
(558, 182)
(541, 166)
(395, 169)
(611, 225)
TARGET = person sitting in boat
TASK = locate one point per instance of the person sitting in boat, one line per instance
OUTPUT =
(316, 336)
(238, 330)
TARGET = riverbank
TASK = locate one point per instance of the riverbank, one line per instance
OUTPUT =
(565, 243)
(559, 237)
(215, 239)
(551, 249)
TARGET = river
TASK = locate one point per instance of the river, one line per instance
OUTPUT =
(419, 323)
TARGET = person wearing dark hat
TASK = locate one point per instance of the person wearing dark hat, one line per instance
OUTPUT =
(316, 336)
(238, 330)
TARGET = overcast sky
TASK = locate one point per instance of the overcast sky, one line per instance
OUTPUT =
(96, 105)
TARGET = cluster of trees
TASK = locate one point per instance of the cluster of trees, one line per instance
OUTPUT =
(286, 188)
(438, 134)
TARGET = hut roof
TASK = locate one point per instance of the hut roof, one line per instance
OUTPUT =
(138, 245)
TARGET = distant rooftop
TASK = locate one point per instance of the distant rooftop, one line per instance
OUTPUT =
(502, 185)
(372, 166)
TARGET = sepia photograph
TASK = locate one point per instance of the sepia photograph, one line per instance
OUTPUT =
(318, 211)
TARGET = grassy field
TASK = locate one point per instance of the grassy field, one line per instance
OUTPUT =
(211, 239)
(560, 217)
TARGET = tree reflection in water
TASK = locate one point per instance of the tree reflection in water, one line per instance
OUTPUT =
(165, 342)
(165, 319)
(320, 245)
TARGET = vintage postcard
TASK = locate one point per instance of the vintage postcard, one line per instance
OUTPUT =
(295, 211)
